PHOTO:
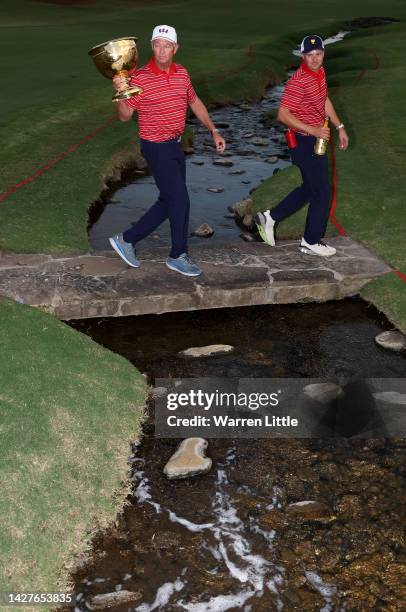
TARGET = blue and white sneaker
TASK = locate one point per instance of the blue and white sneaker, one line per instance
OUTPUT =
(266, 227)
(184, 265)
(125, 250)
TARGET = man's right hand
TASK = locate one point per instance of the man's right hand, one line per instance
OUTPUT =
(120, 83)
(321, 132)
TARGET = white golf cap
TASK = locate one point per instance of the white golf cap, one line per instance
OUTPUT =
(165, 31)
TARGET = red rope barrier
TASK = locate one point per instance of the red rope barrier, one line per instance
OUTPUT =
(55, 160)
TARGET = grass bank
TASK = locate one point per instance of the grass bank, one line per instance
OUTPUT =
(69, 409)
(367, 82)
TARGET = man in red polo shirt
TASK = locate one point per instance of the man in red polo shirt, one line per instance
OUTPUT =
(161, 107)
(304, 106)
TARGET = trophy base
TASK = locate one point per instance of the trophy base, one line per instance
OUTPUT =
(128, 93)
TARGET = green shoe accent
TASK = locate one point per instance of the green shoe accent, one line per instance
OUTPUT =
(262, 234)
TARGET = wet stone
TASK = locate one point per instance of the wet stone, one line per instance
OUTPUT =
(323, 392)
(189, 459)
(141, 164)
(238, 172)
(198, 162)
(215, 189)
(111, 600)
(311, 511)
(247, 237)
(223, 162)
(272, 160)
(392, 340)
(248, 220)
(158, 392)
(260, 142)
(242, 208)
(203, 231)
(207, 351)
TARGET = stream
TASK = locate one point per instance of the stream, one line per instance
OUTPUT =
(286, 524)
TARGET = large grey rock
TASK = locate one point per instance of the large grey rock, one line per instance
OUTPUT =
(206, 351)
(392, 340)
(189, 459)
(111, 600)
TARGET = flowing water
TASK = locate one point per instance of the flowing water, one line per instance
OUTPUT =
(276, 524)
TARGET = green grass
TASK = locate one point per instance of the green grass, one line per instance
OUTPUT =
(367, 81)
(55, 96)
(69, 409)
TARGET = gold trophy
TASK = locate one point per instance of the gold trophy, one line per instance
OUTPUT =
(320, 146)
(117, 57)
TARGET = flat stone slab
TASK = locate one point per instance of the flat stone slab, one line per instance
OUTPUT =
(77, 286)
(189, 459)
(112, 600)
(392, 340)
(207, 351)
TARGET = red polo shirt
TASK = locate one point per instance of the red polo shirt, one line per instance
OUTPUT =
(305, 95)
(163, 103)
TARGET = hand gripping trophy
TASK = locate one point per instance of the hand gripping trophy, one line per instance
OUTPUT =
(117, 57)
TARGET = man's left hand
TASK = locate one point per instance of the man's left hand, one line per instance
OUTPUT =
(219, 142)
(343, 138)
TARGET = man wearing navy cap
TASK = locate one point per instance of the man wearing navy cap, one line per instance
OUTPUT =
(304, 106)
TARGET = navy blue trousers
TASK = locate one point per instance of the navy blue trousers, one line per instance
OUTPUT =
(315, 189)
(166, 162)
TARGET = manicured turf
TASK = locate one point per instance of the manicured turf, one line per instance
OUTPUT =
(69, 409)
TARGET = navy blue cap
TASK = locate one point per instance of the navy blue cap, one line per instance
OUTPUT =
(311, 43)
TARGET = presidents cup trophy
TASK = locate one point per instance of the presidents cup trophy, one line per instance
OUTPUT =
(117, 57)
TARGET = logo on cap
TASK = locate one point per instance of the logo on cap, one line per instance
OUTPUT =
(313, 41)
(163, 30)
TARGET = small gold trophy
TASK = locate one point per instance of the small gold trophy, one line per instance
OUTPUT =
(117, 57)
(320, 146)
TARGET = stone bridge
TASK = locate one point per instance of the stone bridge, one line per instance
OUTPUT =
(235, 274)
